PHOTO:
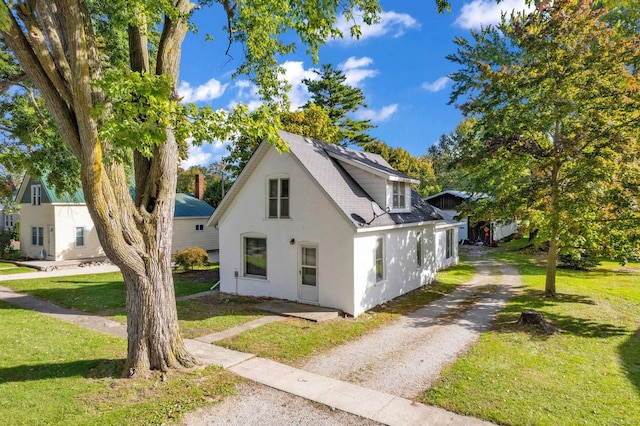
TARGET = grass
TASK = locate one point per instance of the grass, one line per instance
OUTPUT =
(10, 268)
(94, 292)
(587, 374)
(55, 373)
(294, 340)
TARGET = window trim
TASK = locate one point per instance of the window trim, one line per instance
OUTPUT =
(84, 242)
(419, 249)
(37, 235)
(379, 243)
(245, 237)
(279, 199)
(36, 195)
(448, 250)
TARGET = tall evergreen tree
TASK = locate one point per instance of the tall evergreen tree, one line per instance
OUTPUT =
(331, 92)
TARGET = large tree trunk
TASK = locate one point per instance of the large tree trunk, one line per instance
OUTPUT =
(554, 217)
(56, 47)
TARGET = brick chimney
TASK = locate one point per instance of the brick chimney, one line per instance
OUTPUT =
(199, 186)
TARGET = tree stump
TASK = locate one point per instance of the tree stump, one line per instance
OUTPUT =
(531, 317)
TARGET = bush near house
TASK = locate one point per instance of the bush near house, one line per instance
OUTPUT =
(191, 258)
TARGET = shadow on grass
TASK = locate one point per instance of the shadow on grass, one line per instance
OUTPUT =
(629, 352)
(90, 369)
(534, 299)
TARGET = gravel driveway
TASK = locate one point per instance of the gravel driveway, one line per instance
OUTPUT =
(403, 358)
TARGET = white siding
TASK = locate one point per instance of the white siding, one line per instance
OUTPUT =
(186, 236)
(402, 273)
(374, 185)
(504, 229)
(67, 218)
(314, 220)
(38, 216)
(442, 261)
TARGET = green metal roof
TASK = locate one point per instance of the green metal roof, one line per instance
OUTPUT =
(189, 206)
(186, 204)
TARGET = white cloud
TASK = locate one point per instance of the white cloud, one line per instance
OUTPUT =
(205, 154)
(391, 23)
(377, 116)
(487, 12)
(294, 73)
(437, 85)
(354, 70)
(247, 93)
(210, 90)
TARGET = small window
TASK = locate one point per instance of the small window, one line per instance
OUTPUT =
(199, 227)
(449, 244)
(37, 236)
(278, 207)
(255, 257)
(419, 249)
(399, 195)
(36, 195)
(379, 259)
(79, 236)
(8, 221)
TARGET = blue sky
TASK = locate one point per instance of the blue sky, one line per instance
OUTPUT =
(399, 64)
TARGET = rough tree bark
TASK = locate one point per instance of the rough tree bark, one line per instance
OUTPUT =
(55, 45)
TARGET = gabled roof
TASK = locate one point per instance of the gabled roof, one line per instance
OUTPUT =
(460, 194)
(186, 204)
(322, 162)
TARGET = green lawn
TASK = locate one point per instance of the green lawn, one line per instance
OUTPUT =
(588, 374)
(94, 292)
(294, 340)
(55, 373)
(10, 268)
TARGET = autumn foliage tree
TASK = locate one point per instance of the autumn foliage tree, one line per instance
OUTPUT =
(556, 110)
(107, 71)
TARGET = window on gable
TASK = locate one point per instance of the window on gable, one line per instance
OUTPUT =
(399, 195)
(36, 195)
(199, 227)
(279, 198)
(419, 249)
(37, 236)
(379, 259)
(79, 236)
(255, 257)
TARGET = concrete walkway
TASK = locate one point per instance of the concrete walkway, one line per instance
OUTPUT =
(368, 403)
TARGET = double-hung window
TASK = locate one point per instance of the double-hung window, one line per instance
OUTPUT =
(8, 221)
(36, 195)
(79, 236)
(419, 249)
(199, 227)
(37, 236)
(449, 244)
(255, 257)
(379, 259)
(398, 201)
(278, 198)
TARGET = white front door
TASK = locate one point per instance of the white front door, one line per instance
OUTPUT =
(308, 274)
(50, 243)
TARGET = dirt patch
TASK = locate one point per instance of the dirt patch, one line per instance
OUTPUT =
(203, 276)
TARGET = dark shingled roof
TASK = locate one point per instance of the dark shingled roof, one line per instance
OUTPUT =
(322, 160)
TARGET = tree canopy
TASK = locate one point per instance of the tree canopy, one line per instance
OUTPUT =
(556, 111)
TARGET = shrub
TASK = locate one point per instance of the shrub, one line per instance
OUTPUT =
(191, 257)
(581, 261)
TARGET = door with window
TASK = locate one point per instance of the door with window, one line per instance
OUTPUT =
(308, 273)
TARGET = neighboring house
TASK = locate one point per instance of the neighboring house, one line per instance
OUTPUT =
(326, 225)
(448, 203)
(60, 228)
(8, 219)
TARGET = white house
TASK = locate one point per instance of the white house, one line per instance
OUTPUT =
(327, 225)
(56, 227)
(448, 202)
